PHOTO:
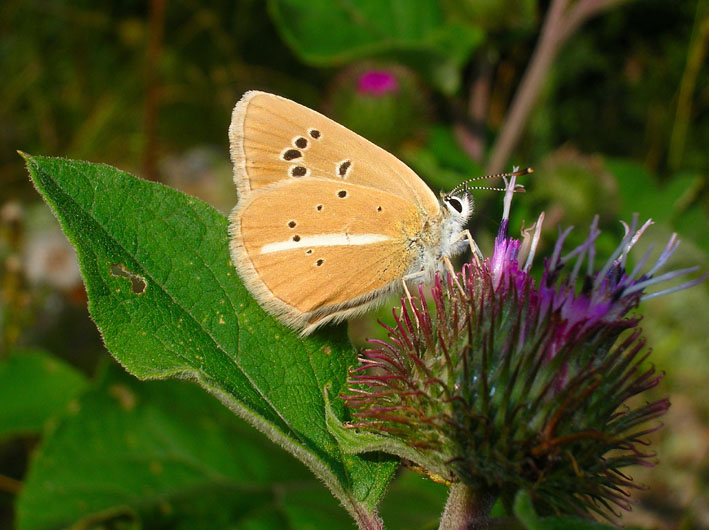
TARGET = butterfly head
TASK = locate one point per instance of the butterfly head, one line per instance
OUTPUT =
(459, 206)
(459, 202)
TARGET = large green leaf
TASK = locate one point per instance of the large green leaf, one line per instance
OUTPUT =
(168, 302)
(165, 455)
(641, 193)
(327, 33)
(34, 386)
(673, 203)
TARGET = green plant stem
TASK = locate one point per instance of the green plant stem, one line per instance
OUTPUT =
(151, 103)
(13, 294)
(563, 18)
(471, 132)
(467, 509)
(367, 520)
(695, 59)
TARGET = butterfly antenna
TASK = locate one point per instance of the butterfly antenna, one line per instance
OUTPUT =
(519, 188)
(464, 185)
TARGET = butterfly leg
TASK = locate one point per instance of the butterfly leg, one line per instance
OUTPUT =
(453, 275)
(477, 254)
(410, 299)
(406, 291)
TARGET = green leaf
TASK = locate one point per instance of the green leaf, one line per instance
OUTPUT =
(641, 193)
(168, 302)
(524, 510)
(674, 203)
(692, 224)
(327, 33)
(165, 454)
(34, 386)
(638, 188)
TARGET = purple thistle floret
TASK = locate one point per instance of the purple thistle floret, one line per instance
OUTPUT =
(377, 83)
(508, 383)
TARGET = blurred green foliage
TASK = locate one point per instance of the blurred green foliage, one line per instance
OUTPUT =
(621, 126)
(158, 443)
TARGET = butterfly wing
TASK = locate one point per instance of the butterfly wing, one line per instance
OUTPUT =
(313, 250)
(275, 139)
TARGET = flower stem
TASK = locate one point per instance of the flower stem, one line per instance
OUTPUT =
(560, 22)
(369, 522)
(467, 509)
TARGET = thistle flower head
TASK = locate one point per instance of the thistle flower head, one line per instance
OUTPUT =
(503, 382)
(377, 82)
(382, 101)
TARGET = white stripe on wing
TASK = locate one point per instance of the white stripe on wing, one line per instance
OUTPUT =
(324, 240)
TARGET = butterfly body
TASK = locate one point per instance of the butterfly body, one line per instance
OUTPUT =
(328, 224)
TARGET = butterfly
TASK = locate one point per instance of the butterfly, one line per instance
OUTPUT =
(327, 224)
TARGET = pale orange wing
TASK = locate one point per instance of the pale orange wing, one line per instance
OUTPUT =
(312, 250)
(275, 139)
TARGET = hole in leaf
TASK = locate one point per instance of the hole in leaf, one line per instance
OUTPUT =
(137, 283)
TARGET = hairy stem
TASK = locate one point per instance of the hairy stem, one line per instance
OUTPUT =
(467, 509)
(370, 522)
(367, 520)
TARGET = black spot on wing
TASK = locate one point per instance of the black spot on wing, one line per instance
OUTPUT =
(343, 168)
(298, 171)
(292, 154)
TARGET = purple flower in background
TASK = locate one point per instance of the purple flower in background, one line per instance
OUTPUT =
(509, 383)
(377, 83)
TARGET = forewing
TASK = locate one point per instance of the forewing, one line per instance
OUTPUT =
(274, 139)
(317, 246)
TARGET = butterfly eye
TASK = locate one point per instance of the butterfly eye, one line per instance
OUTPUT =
(455, 203)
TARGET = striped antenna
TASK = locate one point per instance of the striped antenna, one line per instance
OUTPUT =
(519, 188)
(464, 185)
